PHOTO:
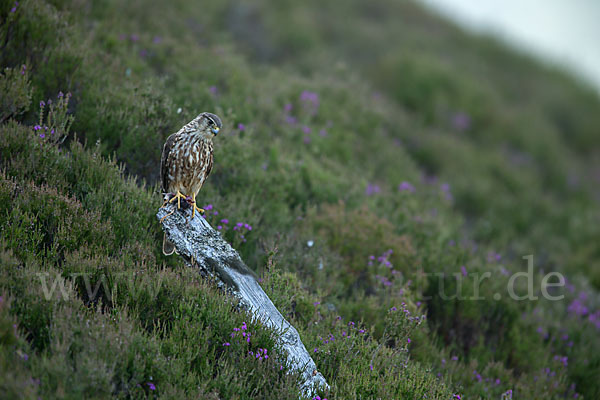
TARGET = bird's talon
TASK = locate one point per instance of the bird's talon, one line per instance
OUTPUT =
(178, 196)
(169, 214)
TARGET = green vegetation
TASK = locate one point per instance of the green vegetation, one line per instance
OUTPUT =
(382, 157)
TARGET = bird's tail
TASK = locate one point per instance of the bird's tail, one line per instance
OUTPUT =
(168, 246)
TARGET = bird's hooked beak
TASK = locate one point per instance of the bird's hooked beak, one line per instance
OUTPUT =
(215, 130)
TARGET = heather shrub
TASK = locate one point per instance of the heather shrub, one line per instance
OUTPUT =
(16, 90)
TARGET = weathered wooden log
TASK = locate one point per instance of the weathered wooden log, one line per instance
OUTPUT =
(196, 240)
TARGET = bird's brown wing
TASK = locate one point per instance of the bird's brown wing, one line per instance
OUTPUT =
(164, 175)
(210, 164)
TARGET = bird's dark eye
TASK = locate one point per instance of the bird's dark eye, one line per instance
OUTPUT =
(210, 121)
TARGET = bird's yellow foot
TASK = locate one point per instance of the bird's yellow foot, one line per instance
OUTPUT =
(169, 214)
(200, 210)
(192, 202)
(178, 196)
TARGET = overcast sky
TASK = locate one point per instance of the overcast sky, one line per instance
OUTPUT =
(566, 32)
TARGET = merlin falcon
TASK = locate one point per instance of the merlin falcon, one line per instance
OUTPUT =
(187, 159)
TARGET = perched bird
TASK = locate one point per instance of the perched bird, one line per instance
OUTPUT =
(187, 159)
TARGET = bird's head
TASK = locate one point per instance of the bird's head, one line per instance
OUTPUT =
(206, 124)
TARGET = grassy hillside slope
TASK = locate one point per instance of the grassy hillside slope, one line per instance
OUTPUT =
(378, 160)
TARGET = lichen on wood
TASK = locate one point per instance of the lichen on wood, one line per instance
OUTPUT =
(196, 240)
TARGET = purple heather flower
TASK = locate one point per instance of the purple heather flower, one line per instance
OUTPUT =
(219, 227)
(406, 186)
(306, 140)
(42, 103)
(463, 269)
(446, 189)
(213, 90)
(461, 121)
(23, 69)
(42, 135)
(577, 307)
(564, 360)
(226, 344)
(393, 308)
(454, 358)
(241, 127)
(290, 120)
(372, 189)
(306, 129)
(224, 221)
(151, 386)
(288, 107)
(310, 101)
(134, 37)
(408, 340)
(493, 256)
(315, 350)
(156, 40)
(594, 318)
(323, 132)
(541, 331)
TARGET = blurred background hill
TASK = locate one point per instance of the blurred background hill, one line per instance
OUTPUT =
(561, 33)
(375, 159)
